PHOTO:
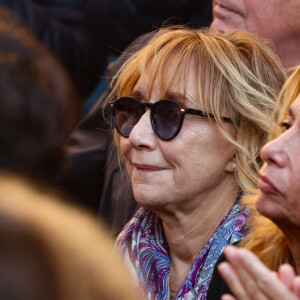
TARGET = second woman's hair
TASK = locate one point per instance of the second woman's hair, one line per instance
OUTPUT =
(265, 238)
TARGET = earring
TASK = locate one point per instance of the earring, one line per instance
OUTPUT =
(233, 166)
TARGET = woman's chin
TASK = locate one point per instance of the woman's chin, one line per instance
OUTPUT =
(151, 202)
(267, 206)
(148, 196)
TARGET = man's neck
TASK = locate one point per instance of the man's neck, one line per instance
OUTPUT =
(295, 246)
(289, 51)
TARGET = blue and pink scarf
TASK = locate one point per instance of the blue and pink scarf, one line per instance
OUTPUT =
(142, 240)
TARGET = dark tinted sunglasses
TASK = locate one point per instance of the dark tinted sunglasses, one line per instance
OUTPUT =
(166, 116)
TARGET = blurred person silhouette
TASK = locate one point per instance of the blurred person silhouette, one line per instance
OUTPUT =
(49, 250)
(39, 106)
(94, 175)
(61, 25)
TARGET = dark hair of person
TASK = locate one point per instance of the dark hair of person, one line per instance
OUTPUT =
(38, 103)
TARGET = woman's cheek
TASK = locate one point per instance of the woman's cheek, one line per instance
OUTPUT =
(124, 147)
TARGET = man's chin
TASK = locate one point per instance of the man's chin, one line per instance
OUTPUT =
(218, 24)
(225, 25)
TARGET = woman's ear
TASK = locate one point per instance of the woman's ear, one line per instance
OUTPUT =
(231, 166)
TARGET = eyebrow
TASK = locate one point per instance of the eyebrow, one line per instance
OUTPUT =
(137, 94)
(180, 98)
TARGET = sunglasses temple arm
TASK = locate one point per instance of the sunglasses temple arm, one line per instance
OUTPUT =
(201, 113)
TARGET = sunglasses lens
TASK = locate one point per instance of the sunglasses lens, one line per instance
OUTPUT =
(127, 112)
(166, 119)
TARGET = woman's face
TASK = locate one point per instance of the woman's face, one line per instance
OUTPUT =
(193, 165)
(280, 176)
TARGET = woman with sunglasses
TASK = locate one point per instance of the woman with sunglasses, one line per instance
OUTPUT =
(275, 229)
(192, 113)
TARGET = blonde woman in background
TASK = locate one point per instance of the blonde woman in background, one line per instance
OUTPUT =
(274, 223)
(191, 155)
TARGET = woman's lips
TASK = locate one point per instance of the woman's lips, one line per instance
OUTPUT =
(266, 185)
(148, 168)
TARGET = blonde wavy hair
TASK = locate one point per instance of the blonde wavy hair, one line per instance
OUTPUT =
(236, 72)
(265, 238)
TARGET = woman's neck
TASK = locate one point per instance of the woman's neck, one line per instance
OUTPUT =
(188, 227)
(288, 52)
(188, 231)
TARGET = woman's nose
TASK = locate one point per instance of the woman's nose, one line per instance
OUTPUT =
(142, 135)
(274, 152)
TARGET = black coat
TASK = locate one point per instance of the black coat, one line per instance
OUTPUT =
(118, 22)
(218, 286)
(94, 176)
(61, 25)
(83, 33)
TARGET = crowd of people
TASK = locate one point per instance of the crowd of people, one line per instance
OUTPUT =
(190, 157)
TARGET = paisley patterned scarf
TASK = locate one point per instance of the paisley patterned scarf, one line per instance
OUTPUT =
(142, 240)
